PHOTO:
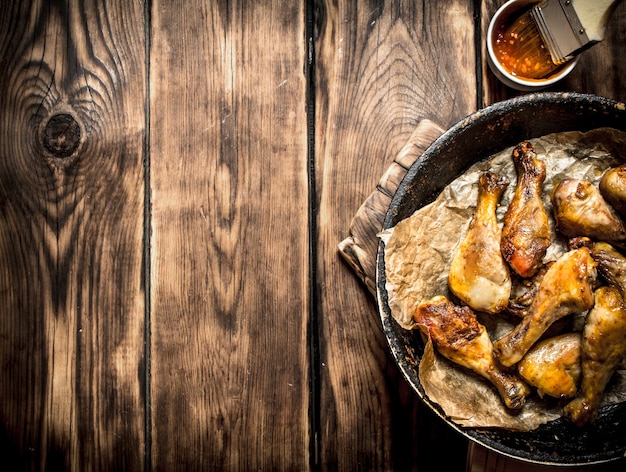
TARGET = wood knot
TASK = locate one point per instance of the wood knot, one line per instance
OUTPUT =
(61, 135)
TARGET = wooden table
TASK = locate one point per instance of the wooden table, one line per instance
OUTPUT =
(175, 177)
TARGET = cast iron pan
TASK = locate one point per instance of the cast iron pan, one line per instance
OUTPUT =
(475, 138)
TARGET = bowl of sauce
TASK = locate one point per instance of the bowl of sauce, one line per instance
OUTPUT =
(516, 54)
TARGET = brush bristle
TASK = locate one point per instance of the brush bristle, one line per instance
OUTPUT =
(522, 51)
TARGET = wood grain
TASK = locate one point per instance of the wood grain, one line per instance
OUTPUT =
(71, 228)
(230, 271)
(377, 77)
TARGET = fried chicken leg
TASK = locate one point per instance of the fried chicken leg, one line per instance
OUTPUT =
(553, 366)
(613, 188)
(478, 274)
(603, 349)
(526, 233)
(566, 288)
(458, 336)
(580, 210)
(611, 265)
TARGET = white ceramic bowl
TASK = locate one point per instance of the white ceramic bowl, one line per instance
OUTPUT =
(510, 9)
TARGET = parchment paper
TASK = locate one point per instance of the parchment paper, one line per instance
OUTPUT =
(418, 252)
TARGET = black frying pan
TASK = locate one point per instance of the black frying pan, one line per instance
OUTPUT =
(473, 139)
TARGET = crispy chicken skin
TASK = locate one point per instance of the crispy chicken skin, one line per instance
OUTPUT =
(611, 265)
(553, 366)
(526, 233)
(580, 210)
(524, 290)
(603, 349)
(566, 288)
(458, 336)
(479, 275)
(613, 188)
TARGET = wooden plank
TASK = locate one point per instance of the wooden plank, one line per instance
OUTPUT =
(71, 228)
(377, 77)
(230, 267)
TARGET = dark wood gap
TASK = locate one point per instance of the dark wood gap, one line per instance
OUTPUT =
(478, 51)
(147, 244)
(313, 323)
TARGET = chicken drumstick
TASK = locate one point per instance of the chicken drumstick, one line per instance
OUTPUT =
(526, 233)
(566, 288)
(478, 274)
(603, 349)
(458, 336)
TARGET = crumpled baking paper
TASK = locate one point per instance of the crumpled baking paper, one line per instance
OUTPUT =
(419, 249)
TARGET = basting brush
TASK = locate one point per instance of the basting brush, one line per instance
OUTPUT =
(552, 32)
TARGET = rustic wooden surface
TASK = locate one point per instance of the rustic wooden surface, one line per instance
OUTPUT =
(175, 177)
(229, 284)
(72, 354)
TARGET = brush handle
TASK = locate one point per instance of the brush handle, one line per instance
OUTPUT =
(594, 16)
